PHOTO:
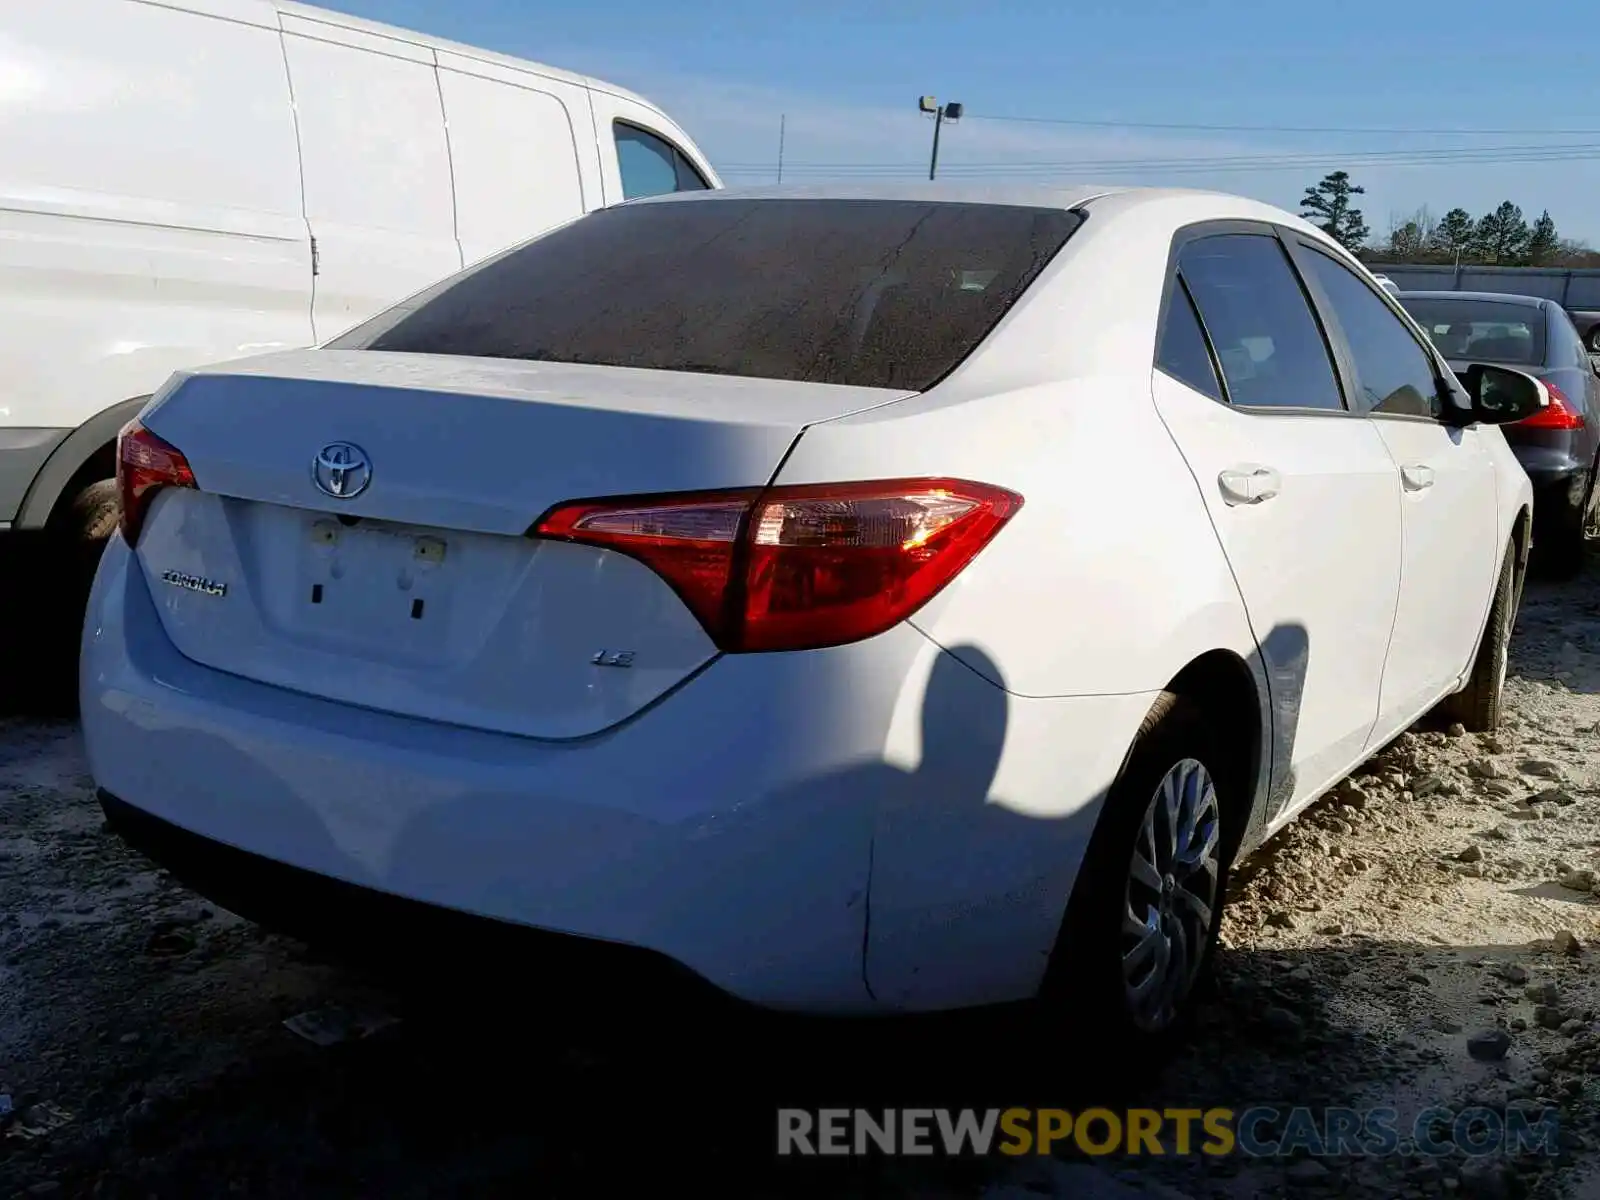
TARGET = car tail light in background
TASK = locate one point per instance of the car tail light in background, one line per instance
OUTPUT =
(1560, 413)
(797, 568)
(145, 464)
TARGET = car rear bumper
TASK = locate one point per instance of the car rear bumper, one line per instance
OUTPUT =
(388, 931)
(1558, 490)
(1555, 468)
(735, 828)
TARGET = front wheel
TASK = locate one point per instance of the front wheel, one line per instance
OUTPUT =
(1140, 932)
(1478, 705)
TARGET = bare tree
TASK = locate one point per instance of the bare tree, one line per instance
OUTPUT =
(1405, 240)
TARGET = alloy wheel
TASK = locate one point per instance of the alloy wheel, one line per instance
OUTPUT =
(1171, 895)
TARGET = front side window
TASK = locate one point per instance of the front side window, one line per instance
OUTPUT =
(651, 166)
(1268, 342)
(1394, 373)
(869, 293)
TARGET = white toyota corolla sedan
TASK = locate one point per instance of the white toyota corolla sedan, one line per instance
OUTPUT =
(868, 600)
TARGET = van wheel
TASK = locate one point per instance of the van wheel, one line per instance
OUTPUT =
(73, 543)
(80, 531)
(1136, 946)
(94, 512)
(1477, 706)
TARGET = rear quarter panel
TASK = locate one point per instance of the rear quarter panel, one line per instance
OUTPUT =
(1109, 579)
(1105, 584)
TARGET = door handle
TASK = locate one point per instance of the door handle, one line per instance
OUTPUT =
(1416, 476)
(1249, 484)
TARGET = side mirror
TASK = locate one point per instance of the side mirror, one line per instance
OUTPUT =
(1501, 396)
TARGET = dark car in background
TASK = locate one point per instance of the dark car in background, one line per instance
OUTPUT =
(1557, 447)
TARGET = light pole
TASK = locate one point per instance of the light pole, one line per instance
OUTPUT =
(941, 113)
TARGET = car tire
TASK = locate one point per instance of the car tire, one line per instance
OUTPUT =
(1594, 340)
(1100, 969)
(1478, 705)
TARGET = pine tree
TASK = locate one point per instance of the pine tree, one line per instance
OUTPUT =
(1502, 236)
(1543, 244)
(1453, 236)
(1328, 206)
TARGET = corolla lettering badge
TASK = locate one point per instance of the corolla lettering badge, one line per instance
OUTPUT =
(341, 470)
(194, 583)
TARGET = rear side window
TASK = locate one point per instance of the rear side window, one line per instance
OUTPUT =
(1183, 353)
(1393, 372)
(651, 166)
(1490, 330)
(1268, 342)
(870, 293)
(1566, 346)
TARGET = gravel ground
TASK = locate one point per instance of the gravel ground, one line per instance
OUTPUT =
(1427, 935)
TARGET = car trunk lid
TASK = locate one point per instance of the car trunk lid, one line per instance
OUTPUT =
(419, 593)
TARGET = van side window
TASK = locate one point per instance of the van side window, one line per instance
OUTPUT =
(651, 166)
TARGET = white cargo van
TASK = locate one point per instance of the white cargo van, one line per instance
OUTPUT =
(188, 181)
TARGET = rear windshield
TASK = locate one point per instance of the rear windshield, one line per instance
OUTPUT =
(1482, 329)
(871, 293)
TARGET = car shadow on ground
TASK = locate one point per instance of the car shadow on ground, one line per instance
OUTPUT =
(479, 1094)
(524, 1079)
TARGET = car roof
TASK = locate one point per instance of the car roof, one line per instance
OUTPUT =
(1030, 195)
(1205, 205)
(1492, 297)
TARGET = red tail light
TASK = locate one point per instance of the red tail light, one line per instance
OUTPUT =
(797, 568)
(1560, 413)
(145, 464)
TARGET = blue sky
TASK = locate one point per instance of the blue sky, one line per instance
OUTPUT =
(847, 76)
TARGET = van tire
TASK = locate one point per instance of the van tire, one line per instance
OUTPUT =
(94, 512)
(1478, 705)
(71, 546)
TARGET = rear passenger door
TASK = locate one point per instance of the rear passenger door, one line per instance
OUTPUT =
(1449, 509)
(376, 169)
(1301, 490)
